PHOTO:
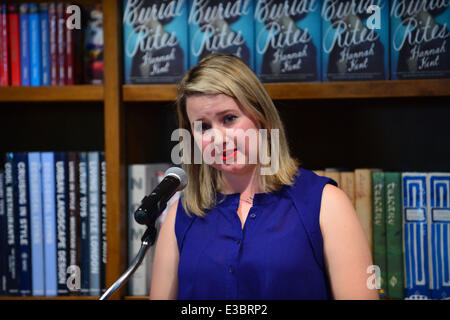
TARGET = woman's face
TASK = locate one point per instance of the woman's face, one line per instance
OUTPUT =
(216, 122)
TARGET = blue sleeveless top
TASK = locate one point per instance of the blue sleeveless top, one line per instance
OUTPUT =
(278, 254)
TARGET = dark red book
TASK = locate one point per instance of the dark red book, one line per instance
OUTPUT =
(52, 27)
(70, 74)
(61, 43)
(14, 43)
(4, 59)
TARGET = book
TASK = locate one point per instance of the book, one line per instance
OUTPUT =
(61, 43)
(4, 52)
(49, 202)
(36, 224)
(84, 221)
(416, 222)
(35, 44)
(288, 40)
(363, 201)
(439, 213)
(103, 223)
(53, 44)
(93, 45)
(351, 49)
(45, 44)
(420, 46)
(348, 184)
(221, 27)
(14, 44)
(155, 41)
(394, 239)
(24, 45)
(3, 240)
(70, 73)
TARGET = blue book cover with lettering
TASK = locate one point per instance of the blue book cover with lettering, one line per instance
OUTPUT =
(416, 230)
(36, 220)
(35, 44)
(288, 40)
(49, 211)
(355, 40)
(22, 221)
(439, 211)
(3, 239)
(420, 39)
(155, 39)
(24, 46)
(221, 27)
(94, 222)
(45, 44)
(84, 221)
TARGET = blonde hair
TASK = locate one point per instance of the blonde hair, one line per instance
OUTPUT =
(227, 74)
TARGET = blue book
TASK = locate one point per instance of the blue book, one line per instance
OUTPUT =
(48, 198)
(355, 41)
(156, 44)
(94, 222)
(10, 208)
(62, 217)
(221, 27)
(35, 44)
(104, 251)
(288, 40)
(416, 224)
(24, 45)
(420, 39)
(22, 221)
(84, 221)
(439, 211)
(3, 240)
(36, 220)
(45, 44)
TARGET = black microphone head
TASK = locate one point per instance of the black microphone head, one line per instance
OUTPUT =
(178, 173)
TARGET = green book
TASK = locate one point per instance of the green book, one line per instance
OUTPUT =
(379, 228)
(394, 240)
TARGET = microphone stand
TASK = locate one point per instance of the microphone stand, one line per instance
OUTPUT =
(148, 239)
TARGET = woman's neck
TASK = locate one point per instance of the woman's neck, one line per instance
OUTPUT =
(247, 184)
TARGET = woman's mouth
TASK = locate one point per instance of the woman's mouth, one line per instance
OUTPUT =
(229, 154)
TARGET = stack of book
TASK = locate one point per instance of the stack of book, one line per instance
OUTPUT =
(53, 223)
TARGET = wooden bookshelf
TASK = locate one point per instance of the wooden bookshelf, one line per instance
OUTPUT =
(312, 90)
(59, 298)
(52, 93)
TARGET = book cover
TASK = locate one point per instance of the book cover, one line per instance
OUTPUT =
(416, 223)
(288, 40)
(53, 44)
(14, 44)
(84, 222)
(420, 39)
(35, 44)
(394, 240)
(4, 52)
(45, 44)
(379, 229)
(94, 222)
(353, 49)
(93, 46)
(3, 239)
(61, 43)
(36, 224)
(49, 202)
(221, 27)
(439, 212)
(24, 45)
(155, 41)
(103, 241)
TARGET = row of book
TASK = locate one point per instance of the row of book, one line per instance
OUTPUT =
(406, 217)
(53, 223)
(50, 44)
(289, 40)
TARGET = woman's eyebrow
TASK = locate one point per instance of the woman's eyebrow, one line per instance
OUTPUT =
(217, 114)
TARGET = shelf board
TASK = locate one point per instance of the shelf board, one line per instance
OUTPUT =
(136, 298)
(52, 93)
(52, 298)
(312, 90)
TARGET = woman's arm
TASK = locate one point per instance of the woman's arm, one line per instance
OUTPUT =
(346, 249)
(164, 284)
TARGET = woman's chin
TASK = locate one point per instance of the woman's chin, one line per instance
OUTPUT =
(234, 168)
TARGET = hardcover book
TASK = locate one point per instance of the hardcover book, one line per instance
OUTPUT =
(14, 44)
(288, 40)
(35, 44)
(420, 39)
(24, 45)
(354, 48)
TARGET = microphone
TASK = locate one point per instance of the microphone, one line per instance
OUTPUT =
(175, 179)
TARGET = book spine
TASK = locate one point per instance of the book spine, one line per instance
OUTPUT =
(74, 215)
(48, 200)
(4, 52)
(363, 201)
(394, 249)
(104, 247)
(36, 218)
(94, 222)
(379, 228)
(84, 222)
(69, 51)
(61, 43)
(14, 43)
(348, 185)
(62, 248)
(93, 46)
(24, 45)
(45, 44)
(35, 45)
(415, 224)
(3, 240)
(439, 212)
(53, 44)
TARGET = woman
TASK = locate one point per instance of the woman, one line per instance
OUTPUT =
(239, 234)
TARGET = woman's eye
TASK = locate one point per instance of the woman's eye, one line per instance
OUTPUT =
(203, 127)
(229, 118)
